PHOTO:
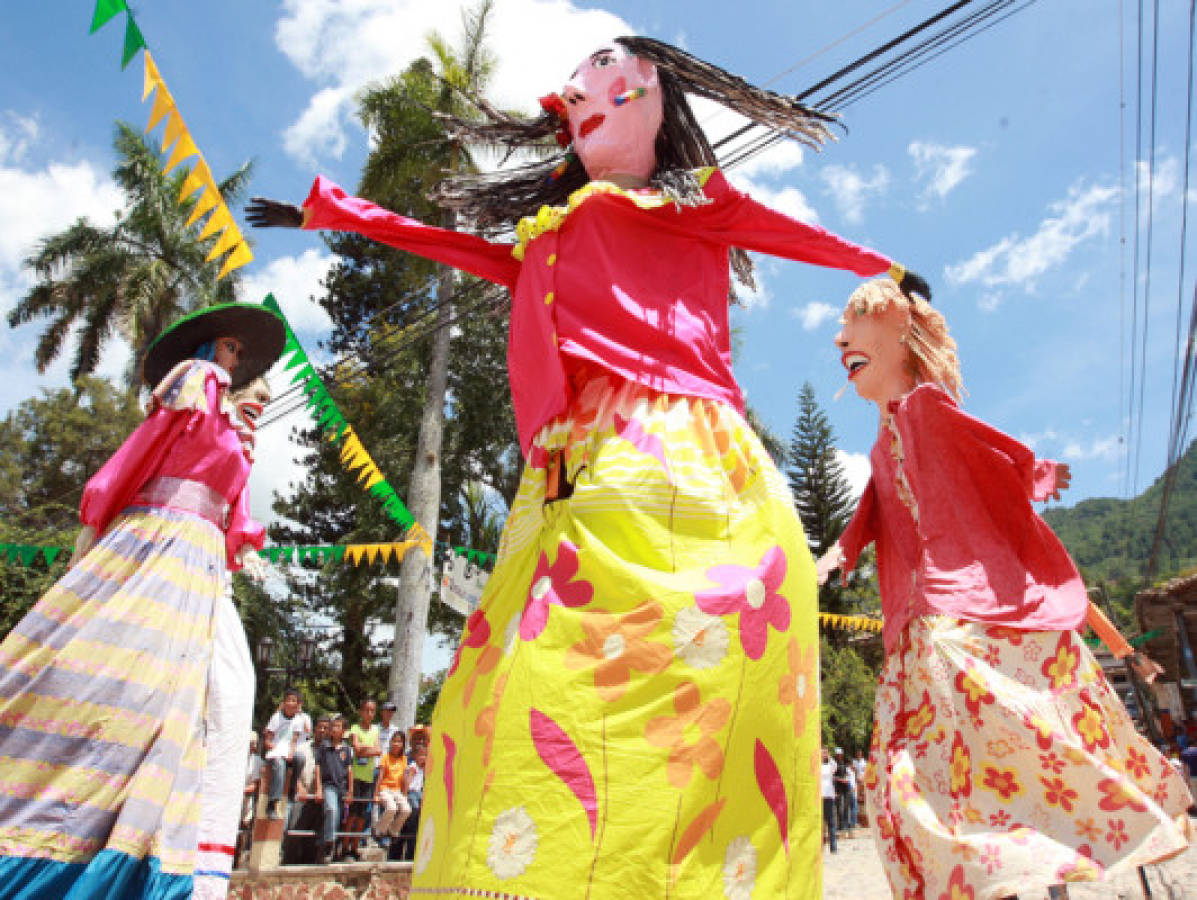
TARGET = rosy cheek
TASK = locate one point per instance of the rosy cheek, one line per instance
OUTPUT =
(618, 86)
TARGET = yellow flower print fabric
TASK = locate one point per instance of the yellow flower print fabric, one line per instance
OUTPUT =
(633, 708)
(1003, 762)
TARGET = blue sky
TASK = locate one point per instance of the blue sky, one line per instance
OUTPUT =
(993, 170)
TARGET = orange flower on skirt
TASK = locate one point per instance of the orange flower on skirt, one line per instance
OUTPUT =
(484, 725)
(670, 732)
(799, 687)
(615, 646)
(1061, 666)
(1003, 782)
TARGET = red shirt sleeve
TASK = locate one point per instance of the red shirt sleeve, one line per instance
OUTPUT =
(736, 219)
(861, 531)
(242, 530)
(329, 207)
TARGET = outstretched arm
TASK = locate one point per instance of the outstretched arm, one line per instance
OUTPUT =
(329, 207)
(737, 219)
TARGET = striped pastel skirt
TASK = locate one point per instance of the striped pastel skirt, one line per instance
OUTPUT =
(633, 708)
(102, 691)
(1003, 762)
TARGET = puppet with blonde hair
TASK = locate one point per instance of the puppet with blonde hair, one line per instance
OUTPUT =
(633, 709)
(1001, 759)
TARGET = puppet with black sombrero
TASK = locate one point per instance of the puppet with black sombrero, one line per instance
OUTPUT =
(105, 686)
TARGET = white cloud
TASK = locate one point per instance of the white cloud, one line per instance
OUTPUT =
(941, 168)
(1103, 448)
(17, 133)
(1035, 440)
(857, 470)
(851, 190)
(1015, 261)
(343, 45)
(294, 280)
(812, 315)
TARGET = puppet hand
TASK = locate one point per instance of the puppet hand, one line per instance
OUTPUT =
(264, 213)
(252, 565)
(828, 563)
(83, 544)
(1146, 667)
(914, 283)
(1063, 480)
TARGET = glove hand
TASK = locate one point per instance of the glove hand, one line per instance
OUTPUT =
(252, 565)
(83, 544)
(264, 213)
(914, 283)
(828, 563)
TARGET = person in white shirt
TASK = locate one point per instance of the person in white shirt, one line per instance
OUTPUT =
(288, 728)
(827, 772)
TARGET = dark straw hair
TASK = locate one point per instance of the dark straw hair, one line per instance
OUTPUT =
(495, 201)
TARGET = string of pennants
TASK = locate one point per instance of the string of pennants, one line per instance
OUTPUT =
(354, 457)
(850, 623)
(177, 140)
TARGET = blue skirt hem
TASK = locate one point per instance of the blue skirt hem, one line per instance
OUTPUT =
(110, 874)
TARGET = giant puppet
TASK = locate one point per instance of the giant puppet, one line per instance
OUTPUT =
(123, 700)
(1002, 761)
(633, 708)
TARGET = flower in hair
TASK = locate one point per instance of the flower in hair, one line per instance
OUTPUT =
(553, 103)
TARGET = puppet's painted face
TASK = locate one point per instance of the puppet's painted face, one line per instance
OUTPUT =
(251, 400)
(873, 351)
(226, 353)
(615, 110)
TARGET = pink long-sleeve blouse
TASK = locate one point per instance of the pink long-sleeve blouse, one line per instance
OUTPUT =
(949, 509)
(191, 436)
(620, 281)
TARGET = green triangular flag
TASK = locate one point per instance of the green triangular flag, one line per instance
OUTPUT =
(105, 10)
(51, 554)
(133, 40)
(27, 555)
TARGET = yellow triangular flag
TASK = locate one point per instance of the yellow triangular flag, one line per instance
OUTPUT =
(164, 103)
(372, 553)
(386, 551)
(194, 181)
(183, 149)
(152, 78)
(372, 474)
(353, 552)
(217, 222)
(231, 238)
(209, 199)
(235, 260)
(175, 129)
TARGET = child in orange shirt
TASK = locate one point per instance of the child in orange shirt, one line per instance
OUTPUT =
(390, 791)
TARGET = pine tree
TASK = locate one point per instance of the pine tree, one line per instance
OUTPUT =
(822, 494)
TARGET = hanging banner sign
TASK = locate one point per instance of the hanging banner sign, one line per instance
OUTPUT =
(461, 584)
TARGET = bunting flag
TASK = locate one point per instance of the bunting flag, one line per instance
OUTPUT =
(850, 623)
(354, 456)
(178, 143)
(177, 140)
(480, 557)
(27, 554)
(1136, 642)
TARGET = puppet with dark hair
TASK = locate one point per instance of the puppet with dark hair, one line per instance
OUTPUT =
(633, 709)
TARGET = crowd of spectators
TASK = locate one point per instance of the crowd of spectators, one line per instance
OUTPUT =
(338, 785)
(842, 782)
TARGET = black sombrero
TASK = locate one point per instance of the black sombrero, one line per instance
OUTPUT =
(260, 330)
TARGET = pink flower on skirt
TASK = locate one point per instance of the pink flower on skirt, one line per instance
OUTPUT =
(553, 585)
(751, 592)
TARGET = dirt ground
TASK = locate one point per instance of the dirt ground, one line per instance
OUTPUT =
(854, 873)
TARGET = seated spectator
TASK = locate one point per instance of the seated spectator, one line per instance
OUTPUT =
(415, 776)
(390, 792)
(285, 730)
(335, 759)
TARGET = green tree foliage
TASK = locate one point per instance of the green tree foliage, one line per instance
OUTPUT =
(134, 277)
(848, 688)
(49, 446)
(821, 491)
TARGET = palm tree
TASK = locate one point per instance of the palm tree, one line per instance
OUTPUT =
(133, 278)
(396, 176)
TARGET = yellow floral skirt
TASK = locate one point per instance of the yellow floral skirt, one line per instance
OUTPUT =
(633, 708)
(1003, 762)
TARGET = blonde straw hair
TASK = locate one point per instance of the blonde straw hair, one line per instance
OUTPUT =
(932, 350)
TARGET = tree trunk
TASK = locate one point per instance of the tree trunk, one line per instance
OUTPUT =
(424, 501)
